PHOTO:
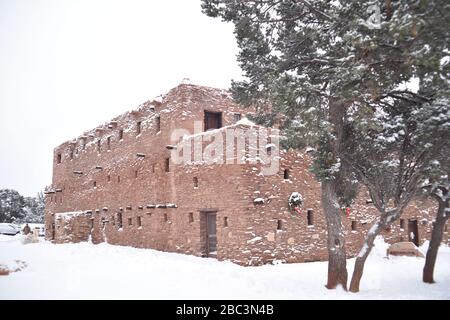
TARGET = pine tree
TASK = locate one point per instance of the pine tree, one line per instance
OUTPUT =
(438, 188)
(34, 209)
(14, 208)
(395, 156)
(11, 206)
(322, 69)
(40, 207)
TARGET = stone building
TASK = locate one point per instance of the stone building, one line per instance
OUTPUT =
(119, 183)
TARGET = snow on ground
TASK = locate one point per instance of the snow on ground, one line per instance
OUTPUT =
(87, 271)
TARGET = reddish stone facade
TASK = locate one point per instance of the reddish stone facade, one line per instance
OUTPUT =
(120, 184)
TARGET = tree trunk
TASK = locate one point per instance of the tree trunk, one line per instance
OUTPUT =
(363, 254)
(337, 262)
(436, 238)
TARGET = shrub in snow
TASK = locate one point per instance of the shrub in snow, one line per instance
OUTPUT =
(29, 239)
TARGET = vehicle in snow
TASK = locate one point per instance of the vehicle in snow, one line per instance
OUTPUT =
(9, 229)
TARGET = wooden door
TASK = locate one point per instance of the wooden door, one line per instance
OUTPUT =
(413, 232)
(211, 234)
(53, 231)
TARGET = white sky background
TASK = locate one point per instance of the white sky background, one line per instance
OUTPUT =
(67, 66)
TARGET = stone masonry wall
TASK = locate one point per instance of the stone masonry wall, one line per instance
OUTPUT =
(124, 191)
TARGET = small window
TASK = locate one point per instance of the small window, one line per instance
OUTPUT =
(195, 182)
(402, 223)
(158, 124)
(225, 222)
(191, 217)
(167, 165)
(153, 168)
(99, 145)
(213, 120)
(119, 219)
(118, 179)
(108, 143)
(95, 184)
(237, 117)
(71, 153)
(286, 174)
(279, 225)
(58, 158)
(109, 178)
(83, 143)
(130, 221)
(138, 127)
(353, 225)
(166, 218)
(310, 217)
(139, 221)
(120, 134)
(135, 174)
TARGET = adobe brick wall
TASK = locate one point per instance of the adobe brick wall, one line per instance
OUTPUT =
(72, 227)
(134, 186)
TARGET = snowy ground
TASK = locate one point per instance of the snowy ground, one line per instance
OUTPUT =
(87, 271)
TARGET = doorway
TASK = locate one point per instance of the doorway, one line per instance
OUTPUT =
(53, 231)
(209, 221)
(413, 232)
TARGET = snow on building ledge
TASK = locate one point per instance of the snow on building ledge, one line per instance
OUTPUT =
(258, 201)
(69, 215)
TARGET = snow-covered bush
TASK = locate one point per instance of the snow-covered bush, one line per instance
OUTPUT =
(295, 200)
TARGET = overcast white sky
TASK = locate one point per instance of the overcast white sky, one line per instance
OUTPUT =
(69, 65)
